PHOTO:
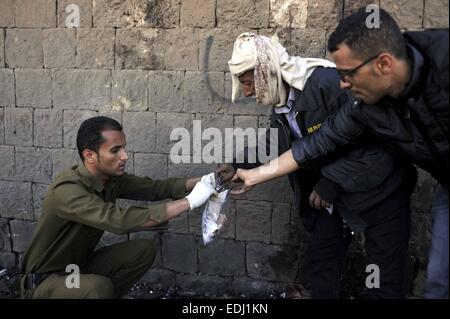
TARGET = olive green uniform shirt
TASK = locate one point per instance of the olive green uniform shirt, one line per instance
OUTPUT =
(78, 208)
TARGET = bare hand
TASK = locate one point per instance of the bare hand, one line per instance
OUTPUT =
(225, 172)
(242, 176)
(316, 202)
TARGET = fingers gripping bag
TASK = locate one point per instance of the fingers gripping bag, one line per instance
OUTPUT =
(214, 218)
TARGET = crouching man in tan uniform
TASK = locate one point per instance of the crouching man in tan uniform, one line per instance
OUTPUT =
(81, 204)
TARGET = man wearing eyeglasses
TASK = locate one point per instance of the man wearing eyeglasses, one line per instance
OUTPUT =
(400, 82)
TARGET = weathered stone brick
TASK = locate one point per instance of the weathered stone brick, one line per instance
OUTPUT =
(5, 236)
(244, 122)
(179, 225)
(288, 14)
(139, 48)
(250, 288)
(198, 13)
(216, 47)
(2, 48)
(81, 89)
(203, 92)
(63, 159)
(281, 213)
(35, 13)
(48, 128)
(33, 164)
(85, 11)
(179, 253)
(7, 260)
(159, 278)
(59, 48)
(156, 49)
(190, 169)
(16, 201)
(166, 122)
(19, 126)
(208, 286)
(71, 123)
(7, 95)
(7, 170)
(136, 13)
(2, 125)
(95, 48)
(324, 14)
(151, 165)
(163, 14)
(119, 13)
(407, 13)
(22, 232)
(253, 221)
(7, 15)
(39, 192)
(140, 131)
(306, 43)
(278, 190)
(242, 105)
(436, 14)
(24, 48)
(164, 91)
(156, 238)
(271, 262)
(222, 257)
(129, 90)
(245, 13)
(174, 57)
(34, 88)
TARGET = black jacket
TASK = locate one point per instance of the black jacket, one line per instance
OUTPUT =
(356, 178)
(416, 123)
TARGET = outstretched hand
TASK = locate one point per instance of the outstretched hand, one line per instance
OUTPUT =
(244, 178)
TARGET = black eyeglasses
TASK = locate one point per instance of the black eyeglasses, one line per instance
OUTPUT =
(344, 73)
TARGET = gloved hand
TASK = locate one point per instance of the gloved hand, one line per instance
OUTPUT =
(201, 191)
(209, 180)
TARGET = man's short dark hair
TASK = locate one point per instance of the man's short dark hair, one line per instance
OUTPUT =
(90, 133)
(364, 41)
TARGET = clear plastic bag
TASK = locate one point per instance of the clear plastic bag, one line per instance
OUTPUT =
(213, 218)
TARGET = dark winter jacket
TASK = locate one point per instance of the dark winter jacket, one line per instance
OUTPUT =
(357, 177)
(416, 123)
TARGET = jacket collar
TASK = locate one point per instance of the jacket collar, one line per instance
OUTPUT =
(417, 62)
(89, 179)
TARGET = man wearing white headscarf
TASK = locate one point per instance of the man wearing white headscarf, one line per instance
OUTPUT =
(362, 188)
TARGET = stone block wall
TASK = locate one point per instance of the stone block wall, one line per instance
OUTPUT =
(154, 65)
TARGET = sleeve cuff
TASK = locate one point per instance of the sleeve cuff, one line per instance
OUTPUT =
(327, 190)
(157, 212)
(179, 188)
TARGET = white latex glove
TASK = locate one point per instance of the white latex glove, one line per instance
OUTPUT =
(209, 180)
(199, 194)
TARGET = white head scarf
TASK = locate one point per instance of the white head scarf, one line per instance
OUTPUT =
(272, 65)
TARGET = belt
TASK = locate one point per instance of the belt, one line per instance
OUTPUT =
(32, 281)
